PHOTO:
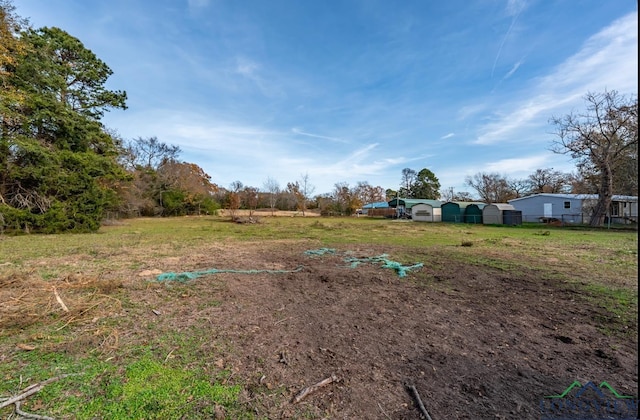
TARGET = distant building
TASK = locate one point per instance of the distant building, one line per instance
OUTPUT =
(574, 208)
(492, 214)
(404, 206)
(454, 211)
(378, 209)
(424, 212)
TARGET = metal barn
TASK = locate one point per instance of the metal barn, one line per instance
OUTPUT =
(473, 213)
(404, 206)
(492, 213)
(453, 211)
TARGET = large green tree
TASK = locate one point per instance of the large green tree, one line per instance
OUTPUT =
(426, 185)
(422, 184)
(58, 160)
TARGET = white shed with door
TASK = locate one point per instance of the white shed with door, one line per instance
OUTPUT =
(426, 213)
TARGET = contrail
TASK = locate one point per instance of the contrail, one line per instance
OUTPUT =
(513, 22)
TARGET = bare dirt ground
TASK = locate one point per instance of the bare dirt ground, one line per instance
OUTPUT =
(476, 342)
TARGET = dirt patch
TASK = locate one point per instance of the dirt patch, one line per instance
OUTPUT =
(475, 342)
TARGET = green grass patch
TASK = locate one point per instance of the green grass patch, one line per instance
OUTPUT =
(620, 308)
(144, 388)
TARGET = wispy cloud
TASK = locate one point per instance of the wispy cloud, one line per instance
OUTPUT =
(515, 67)
(447, 136)
(517, 165)
(246, 67)
(514, 8)
(605, 62)
(317, 136)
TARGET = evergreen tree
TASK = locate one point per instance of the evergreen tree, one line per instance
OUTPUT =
(57, 161)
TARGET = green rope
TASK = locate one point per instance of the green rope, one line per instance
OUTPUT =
(386, 263)
(190, 275)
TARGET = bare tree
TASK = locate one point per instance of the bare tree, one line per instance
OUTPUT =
(491, 187)
(407, 181)
(548, 181)
(149, 153)
(250, 198)
(306, 189)
(520, 187)
(234, 202)
(603, 137)
(272, 187)
(367, 193)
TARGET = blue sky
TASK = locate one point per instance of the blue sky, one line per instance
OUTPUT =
(354, 90)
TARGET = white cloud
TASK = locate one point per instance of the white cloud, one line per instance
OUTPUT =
(317, 136)
(607, 61)
(517, 165)
(515, 67)
(447, 136)
(246, 67)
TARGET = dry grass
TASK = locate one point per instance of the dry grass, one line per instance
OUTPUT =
(27, 299)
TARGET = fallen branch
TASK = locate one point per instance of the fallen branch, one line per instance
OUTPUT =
(60, 301)
(32, 389)
(419, 401)
(30, 415)
(313, 388)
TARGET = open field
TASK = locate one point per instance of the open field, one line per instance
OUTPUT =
(486, 323)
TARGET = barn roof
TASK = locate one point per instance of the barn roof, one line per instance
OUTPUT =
(410, 202)
(465, 204)
(502, 206)
(376, 205)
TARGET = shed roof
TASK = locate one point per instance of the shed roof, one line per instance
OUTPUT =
(502, 206)
(627, 198)
(464, 204)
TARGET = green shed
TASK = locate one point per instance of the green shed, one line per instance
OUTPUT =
(473, 213)
(454, 211)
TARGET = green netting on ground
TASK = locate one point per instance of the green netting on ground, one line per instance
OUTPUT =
(321, 251)
(190, 275)
(380, 259)
(386, 263)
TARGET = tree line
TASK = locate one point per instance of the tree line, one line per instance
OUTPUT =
(61, 169)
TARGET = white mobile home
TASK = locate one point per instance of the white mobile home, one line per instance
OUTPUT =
(574, 208)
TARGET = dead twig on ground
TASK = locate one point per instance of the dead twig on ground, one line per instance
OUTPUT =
(424, 411)
(313, 388)
(60, 301)
(30, 390)
(281, 321)
(30, 415)
(383, 412)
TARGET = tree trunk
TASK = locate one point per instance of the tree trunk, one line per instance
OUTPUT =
(604, 196)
